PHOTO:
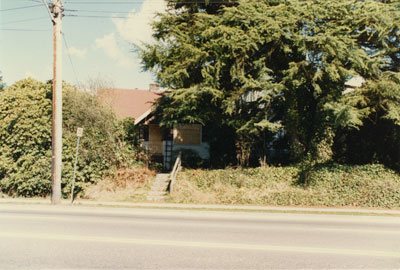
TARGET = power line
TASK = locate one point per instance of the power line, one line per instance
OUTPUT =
(23, 30)
(37, 1)
(95, 16)
(46, 5)
(152, 1)
(98, 11)
(26, 20)
(70, 59)
(8, 9)
(105, 3)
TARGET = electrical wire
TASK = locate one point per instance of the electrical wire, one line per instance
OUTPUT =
(46, 5)
(98, 11)
(152, 1)
(95, 16)
(104, 3)
(70, 59)
(37, 1)
(9, 9)
(25, 20)
(125, 2)
(23, 30)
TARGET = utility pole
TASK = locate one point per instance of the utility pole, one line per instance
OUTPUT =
(57, 103)
(56, 14)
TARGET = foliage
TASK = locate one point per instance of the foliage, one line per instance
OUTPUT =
(129, 130)
(261, 66)
(330, 185)
(127, 184)
(25, 154)
(377, 137)
(1, 82)
(210, 7)
(190, 159)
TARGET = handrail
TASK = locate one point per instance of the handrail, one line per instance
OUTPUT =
(174, 172)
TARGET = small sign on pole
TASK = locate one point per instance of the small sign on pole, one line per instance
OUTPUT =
(79, 133)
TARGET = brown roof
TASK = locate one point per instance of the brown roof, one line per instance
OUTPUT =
(128, 102)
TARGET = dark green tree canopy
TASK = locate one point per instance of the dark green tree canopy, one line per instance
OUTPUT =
(261, 65)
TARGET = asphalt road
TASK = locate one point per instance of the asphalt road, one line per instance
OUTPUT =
(49, 237)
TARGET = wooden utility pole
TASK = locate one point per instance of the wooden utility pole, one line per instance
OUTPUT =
(57, 13)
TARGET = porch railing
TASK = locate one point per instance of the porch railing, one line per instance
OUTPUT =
(174, 172)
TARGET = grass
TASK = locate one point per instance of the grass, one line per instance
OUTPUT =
(127, 185)
(331, 185)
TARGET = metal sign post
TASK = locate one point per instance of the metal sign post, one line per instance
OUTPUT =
(79, 134)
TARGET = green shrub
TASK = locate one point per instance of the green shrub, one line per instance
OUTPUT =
(330, 185)
(25, 135)
(190, 159)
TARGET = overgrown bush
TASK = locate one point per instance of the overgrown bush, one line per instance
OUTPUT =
(330, 185)
(25, 135)
(190, 159)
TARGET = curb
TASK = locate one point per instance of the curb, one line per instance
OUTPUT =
(211, 207)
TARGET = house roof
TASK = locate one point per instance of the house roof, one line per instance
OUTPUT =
(129, 102)
(353, 83)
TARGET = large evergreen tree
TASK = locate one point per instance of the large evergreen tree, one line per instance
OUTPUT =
(257, 66)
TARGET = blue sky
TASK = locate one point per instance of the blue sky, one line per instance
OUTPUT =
(98, 47)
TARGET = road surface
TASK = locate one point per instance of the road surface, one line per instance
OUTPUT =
(61, 237)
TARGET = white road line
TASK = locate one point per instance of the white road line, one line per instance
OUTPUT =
(193, 244)
(196, 224)
(226, 215)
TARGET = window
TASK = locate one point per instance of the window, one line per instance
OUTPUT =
(144, 133)
(187, 134)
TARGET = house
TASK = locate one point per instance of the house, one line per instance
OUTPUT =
(353, 83)
(161, 143)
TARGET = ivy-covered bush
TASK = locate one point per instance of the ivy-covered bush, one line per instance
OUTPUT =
(25, 136)
(331, 184)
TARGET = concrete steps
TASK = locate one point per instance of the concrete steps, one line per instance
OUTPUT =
(158, 191)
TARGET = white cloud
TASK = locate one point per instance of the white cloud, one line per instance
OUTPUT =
(136, 29)
(109, 44)
(77, 52)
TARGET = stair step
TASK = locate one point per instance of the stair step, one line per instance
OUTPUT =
(161, 180)
(155, 198)
(157, 193)
(161, 185)
(158, 189)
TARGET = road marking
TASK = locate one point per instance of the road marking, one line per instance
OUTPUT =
(148, 210)
(193, 244)
(96, 220)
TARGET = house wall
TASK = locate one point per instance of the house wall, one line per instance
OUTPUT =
(187, 134)
(155, 140)
(185, 137)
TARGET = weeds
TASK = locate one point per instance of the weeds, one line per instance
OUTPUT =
(329, 185)
(128, 184)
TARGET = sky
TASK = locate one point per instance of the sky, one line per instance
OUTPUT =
(102, 47)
